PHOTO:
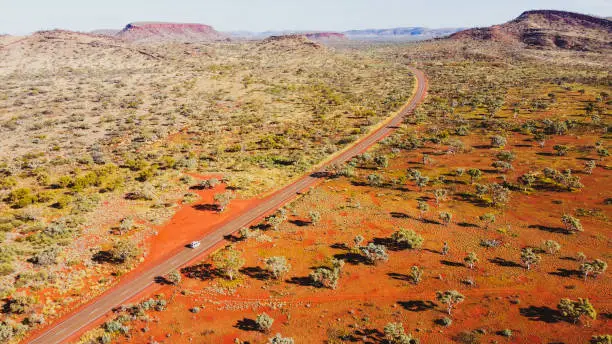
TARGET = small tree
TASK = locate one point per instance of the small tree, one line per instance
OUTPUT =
(474, 174)
(423, 207)
(577, 309)
(407, 238)
(375, 253)
(395, 334)
(315, 217)
(223, 200)
(487, 219)
(123, 251)
(527, 180)
(529, 257)
(440, 195)
(581, 257)
(500, 195)
(450, 298)
(416, 274)
(551, 246)
(174, 277)
(471, 259)
(228, 261)
(277, 266)
(445, 217)
(264, 322)
(571, 223)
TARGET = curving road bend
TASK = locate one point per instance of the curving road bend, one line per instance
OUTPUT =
(124, 291)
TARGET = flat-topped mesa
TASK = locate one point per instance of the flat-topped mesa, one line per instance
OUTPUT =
(163, 32)
(548, 29)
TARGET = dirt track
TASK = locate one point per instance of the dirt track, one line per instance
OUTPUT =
(127, 289)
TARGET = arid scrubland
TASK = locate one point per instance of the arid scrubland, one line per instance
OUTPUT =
(484, 219)
(100, 140)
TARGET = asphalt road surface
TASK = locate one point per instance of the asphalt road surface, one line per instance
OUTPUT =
(119, 294)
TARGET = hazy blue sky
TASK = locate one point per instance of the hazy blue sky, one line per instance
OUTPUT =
(24, 16)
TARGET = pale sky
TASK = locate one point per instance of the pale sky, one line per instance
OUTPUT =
(25, 16)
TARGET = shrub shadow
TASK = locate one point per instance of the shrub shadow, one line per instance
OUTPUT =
(545, 314)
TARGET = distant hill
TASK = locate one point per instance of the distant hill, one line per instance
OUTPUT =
(548, 29)
(161, 32)
(402, 33)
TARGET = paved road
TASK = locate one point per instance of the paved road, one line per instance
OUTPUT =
(132, 286)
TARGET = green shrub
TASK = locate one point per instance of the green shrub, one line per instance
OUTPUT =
(21, 197)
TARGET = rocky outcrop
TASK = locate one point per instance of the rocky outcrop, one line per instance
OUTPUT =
(152, 32)
(547, 29)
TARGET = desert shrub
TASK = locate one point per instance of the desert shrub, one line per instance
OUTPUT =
(498, 141)
(487, 219)
(416, 274)
(20, 303)
(446, 321)
(327, 277)
(20, 198)
(6, 269)
(174, 277)
(375, 253)
(445, 217)
(506, 333)
(34, 319)
(407, 238)
(277, 266)
(500, 194)
(551, 246)
(123, 251)
(228, 261)
(503, 166)
(571, 223)
(279, 339)
(314, 216)
(126, 225)
(529, 257)
(471, 259)
(575, 310)
(264, 322)
(506, 156)
(6, 332)
(374, 179)
(395, 334)
(561, 149)
(595, 268)
(601, 339)
(46, 257)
